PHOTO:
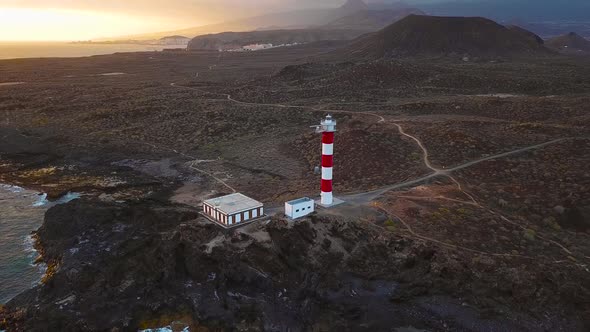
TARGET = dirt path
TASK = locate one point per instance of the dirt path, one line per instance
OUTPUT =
(506, 154)
(367, 197)
(425, 155)
(195, 161)
(11, 83)
(308, 108)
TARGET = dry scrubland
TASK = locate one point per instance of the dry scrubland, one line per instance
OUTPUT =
(509, 235)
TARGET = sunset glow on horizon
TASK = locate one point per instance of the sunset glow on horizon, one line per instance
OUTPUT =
(69, 20)
(34, 24)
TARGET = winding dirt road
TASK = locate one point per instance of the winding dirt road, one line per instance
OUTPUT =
(370, 196)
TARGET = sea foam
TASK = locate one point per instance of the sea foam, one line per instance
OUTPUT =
(12, 189)
(42, 201)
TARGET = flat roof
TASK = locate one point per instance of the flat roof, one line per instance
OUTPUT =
(299, 201)
(234, 203)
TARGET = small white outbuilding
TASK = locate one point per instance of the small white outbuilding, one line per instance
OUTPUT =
(299, 208)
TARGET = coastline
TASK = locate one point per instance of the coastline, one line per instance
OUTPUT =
(35, 50)
(29, 208)
(21, 219)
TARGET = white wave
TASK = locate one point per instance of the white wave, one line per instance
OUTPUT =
(12, 189)
(68, 198)
(29, 244)
(42, 201)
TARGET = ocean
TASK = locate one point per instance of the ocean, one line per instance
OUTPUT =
(21, 212)
(19, 50)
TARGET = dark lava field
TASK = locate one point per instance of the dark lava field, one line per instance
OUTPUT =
(466, 177)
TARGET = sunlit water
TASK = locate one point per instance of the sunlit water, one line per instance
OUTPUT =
(14, 50)
(21, 212)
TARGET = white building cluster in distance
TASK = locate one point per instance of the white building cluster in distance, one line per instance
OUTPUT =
(256, 47)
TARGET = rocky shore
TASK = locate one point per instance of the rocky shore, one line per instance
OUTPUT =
(130, 266)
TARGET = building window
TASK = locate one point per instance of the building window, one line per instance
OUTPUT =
(297, 211)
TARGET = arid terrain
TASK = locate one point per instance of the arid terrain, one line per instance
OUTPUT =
(467, 184)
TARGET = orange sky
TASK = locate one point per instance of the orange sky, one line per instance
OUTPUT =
(67, 20)
(27, 24)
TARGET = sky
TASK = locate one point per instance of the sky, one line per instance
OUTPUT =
(46, 20)
(67, 20)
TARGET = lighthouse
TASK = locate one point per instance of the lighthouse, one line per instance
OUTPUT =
(327, 128)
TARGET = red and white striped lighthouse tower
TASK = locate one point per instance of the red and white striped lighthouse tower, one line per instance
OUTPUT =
(327, 128)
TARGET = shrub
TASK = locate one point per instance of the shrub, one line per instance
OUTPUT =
(463, 211)
(444, 210)
(555, 226)
(389, 223)
(530, 235)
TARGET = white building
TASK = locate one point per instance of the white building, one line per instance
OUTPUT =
(257, 47)
(232, 210)
(299, 208)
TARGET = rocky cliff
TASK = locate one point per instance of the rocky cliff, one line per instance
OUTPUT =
(142, 265)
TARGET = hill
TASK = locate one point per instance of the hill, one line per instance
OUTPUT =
(371, 20)
(526, 34)
(418, 35)
(233, 40)
(572, 42)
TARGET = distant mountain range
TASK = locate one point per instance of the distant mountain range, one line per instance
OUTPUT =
(547, 18)
(418, 35)
(236, 40)
(299, 19)
(345, 28)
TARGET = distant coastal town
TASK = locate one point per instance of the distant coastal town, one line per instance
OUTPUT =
(170, 40)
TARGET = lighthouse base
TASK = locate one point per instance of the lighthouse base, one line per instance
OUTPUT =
(335, 202)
